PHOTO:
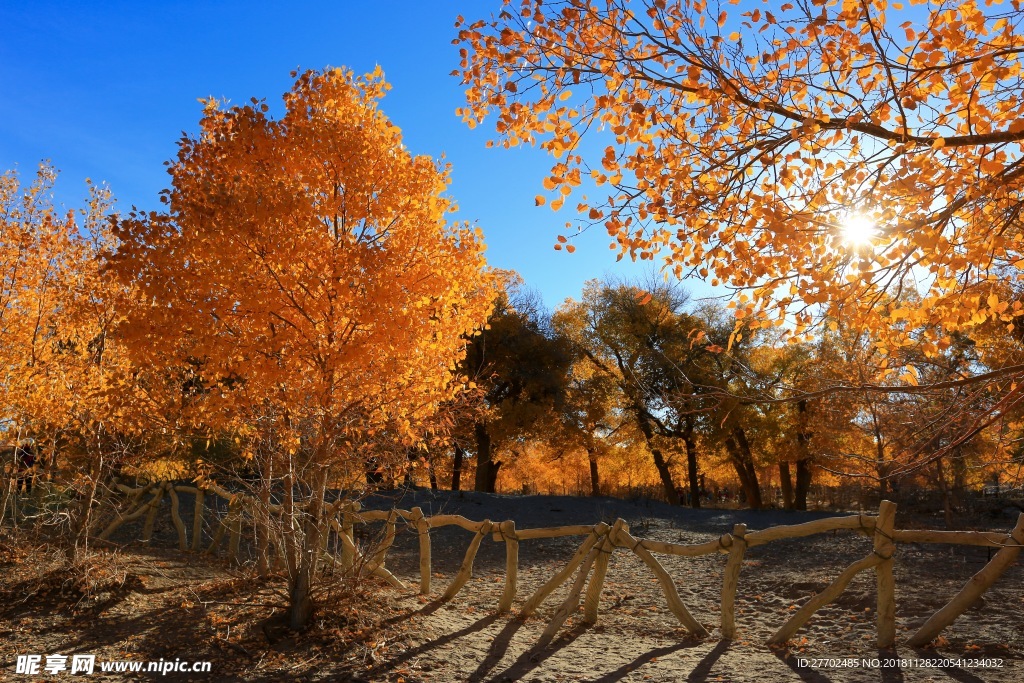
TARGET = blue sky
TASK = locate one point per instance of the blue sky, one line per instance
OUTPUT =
(105, 90)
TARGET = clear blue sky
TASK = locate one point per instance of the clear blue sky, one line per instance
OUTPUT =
(105, 90)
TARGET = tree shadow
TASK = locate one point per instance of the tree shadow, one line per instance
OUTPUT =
(651, 655)
(406, 655)
(497, 650)
(890, 674)
(957, 674)
(56, 592)
(704, 666)
(534, 657)
(424, 611)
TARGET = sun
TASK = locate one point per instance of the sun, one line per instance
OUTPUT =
(858, 230)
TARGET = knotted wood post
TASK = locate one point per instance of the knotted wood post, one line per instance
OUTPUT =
(466, 570)
(147, 528)
(624, 539)
(978, 584)
(508, 596)
(884, 548)
(222, 526)
(179, 526)
(135, 514)
(348, 556)
(389, 539)
(367, 567)
(572, 601)
(197, 519)
(833, 591)
(558, 579)
(730, 580)
(593, 598)
(348, 549)
(423, 531)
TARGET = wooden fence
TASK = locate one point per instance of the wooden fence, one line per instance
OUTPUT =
(590, 562)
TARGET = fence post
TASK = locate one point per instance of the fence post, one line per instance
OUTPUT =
(572, 601)
(147, 528)
(179, 526)
(558, 579)
(423, 530)
(624, 539)
(466, 570)
(135, 514)
(973, 589)
(222, 526)
(389, 538)
(730, 580)
(348, 555)
(883, 548)
(596, 585)
(508, 532)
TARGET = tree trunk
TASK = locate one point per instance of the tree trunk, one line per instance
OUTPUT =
(786, 482)
(301, 607)
(671, 495)
(486, 468)
(492, 476)
(947, 507)
(263, 521)
(457, 467)
(374, 475)
(432, 475)
(691, 465)
(80, 540)
(803, 462)
(743, 461)
(407, 479)
(803, 483)
(595, 480)
(959, 468)
(881, 468)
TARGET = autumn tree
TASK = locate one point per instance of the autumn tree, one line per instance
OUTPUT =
(521, 369)
(591, 415)
(930, 424)
(307, 266)
(791, 434)
(812, 155)
(642, 340)
(65, 380)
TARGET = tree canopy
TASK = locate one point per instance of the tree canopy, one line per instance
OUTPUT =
(814, 155)
(308, 261)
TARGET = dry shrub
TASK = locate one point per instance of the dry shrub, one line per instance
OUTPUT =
(49, 577)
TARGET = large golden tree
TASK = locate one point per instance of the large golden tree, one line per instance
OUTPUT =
(305, 268)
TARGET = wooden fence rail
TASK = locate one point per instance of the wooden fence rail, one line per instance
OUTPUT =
(590, 562)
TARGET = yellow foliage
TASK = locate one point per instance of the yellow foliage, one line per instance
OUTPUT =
(305, 270)
(745, 157)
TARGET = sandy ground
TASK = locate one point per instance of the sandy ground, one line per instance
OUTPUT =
(638, 639)
(174, 599)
